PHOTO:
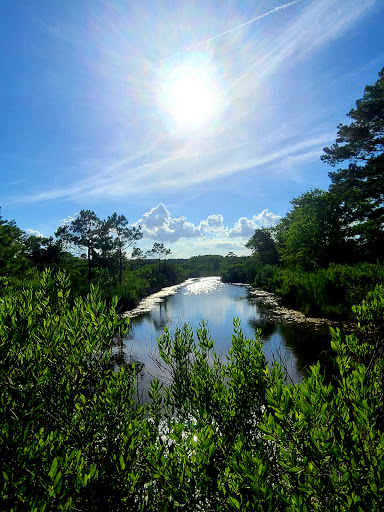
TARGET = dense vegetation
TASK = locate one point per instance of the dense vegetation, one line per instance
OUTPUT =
(219, 436)
(328, 251)
(216, 435)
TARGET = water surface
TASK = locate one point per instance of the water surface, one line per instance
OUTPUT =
(218, 303)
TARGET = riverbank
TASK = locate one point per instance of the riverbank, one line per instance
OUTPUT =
(293, 316)
(328, 293)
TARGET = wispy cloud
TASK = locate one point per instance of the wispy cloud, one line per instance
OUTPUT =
(226, 32)
(179, 171)
(318, 24)
(173, 164)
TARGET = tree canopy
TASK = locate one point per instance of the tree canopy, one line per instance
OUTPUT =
(123, 236)
(360, 186)
(263, 246)
(311, 235)
(86, 231)
(11, 247)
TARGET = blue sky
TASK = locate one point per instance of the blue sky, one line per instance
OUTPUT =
(199, 120)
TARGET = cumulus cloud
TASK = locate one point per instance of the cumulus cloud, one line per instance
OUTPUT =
(158, 224)
(245, 228)
(34, 232)
(266, 219)
(212, 223)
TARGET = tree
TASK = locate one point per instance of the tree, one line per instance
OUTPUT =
(137, 253)
(360, 186)
(11, 247)
(263, 246)
(42, 251)
(86, 231)
(311, 235)
(123, 237)
(160, 251)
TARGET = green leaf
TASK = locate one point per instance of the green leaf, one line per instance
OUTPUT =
(53, 469)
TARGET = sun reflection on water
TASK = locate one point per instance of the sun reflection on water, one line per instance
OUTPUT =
(204, 285)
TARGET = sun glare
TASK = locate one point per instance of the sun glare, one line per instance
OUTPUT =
(191, 97)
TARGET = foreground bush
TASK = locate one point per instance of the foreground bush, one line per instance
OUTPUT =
(219, 434)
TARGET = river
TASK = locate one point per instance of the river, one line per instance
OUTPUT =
(298, 345)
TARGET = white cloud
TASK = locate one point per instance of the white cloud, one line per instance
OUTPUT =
(68, 219)
(158, 224)
(212, 223)
(266, 219)
(209, 236)
(245, 228)
(34, 232)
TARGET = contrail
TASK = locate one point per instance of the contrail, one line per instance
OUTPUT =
(229, 31)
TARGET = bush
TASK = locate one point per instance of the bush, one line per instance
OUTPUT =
(66, 419)
(219, 435)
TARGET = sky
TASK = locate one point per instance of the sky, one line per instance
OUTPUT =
(197, 120)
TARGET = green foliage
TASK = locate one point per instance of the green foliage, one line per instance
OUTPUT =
(330, 292)
(205, 388)
(310, 235)
(327, 447)
(360, 187)
(263, 247)
(218, 434)
(42, 252)
(362, 139)
(160, 251)
(370, 313)
(88, 232)
(237, 273)
(123, 237)
(209, 265)
(265, 277)
(12, 260)
(66, 418)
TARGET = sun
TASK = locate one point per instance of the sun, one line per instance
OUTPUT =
(191, 97)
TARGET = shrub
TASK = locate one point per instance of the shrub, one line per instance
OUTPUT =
(220, 434)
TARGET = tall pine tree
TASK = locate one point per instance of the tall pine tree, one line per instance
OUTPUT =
(360, 186)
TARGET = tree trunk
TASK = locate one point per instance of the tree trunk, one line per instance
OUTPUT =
(120, 266)
(89, 265)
